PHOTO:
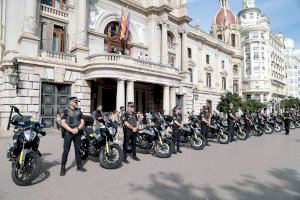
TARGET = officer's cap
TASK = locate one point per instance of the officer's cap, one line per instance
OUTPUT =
(130, 104)
(74, 99)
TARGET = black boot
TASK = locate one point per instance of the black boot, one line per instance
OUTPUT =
(63, 170)
(134, 157)
(178, 150)
(125, 158)
(81, 169)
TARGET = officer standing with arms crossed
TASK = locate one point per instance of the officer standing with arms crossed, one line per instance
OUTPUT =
(231, 118)
(287, 122)
(72, 123)
(130, 129)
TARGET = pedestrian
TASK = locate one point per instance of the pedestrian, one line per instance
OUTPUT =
(178, 126)
(98, 117)
(130, 130)
(120, 124)
(287, 121)
(205, 119)
(230, 119)
(72, 122)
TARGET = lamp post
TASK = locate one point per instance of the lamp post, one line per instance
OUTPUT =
(14, 77)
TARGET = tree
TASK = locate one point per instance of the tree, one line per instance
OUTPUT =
(226, 99)
(252, 105)
(291, 102)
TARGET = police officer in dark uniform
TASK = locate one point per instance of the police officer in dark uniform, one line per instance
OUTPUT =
(287, 122)
(178, 125)
(230, 119)
(72, 123)
(205, 119)
(247, 118)
(130, 129)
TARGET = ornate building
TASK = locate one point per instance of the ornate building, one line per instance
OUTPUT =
(59, 48)
(292, 62)
(265, 74)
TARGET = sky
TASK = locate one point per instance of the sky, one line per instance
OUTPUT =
(283, 14)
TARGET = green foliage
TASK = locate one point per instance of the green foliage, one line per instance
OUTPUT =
(226, 99)
(252, 105)
(291, 102)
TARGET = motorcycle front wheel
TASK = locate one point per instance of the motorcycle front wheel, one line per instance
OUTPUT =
(199, 143)
(223, 138)
(164, 150)
(277, 128)
(269, 130)
(292, 126)
(113, 159)
(242, 135)
(23, 176)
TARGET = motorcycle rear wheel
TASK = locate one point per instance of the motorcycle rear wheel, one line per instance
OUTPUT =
(114, 159)
(269, 130)
(32, 163)
(277, 128)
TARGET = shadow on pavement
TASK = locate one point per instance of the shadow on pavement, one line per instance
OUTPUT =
(45, 173)
(171, 186)
(249, 188)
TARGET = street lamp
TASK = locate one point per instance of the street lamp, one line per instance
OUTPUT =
(14, 77)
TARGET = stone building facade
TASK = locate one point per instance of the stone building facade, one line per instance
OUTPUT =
(61, 48)
(292, 62)
(265, 74)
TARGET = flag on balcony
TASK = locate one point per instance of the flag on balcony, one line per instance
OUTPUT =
(124, 24)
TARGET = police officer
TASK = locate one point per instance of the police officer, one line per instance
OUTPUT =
(247, 118)
(287, 122)
(178, 125)
(230, 119)
(205, 118)
(130, 129)
(72, 122)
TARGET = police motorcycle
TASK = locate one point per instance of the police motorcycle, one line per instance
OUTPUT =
(218, 131)
(100, 143)
(240, 133)
(279, 123)
(151, 137)
(268, 125)
(295, 121)
(24, 153)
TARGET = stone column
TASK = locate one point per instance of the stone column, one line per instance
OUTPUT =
(166, 100)
(184, 56)
(172, 97)
(11, 36)
(120, 94)
(80, 49)
(130, 91)
(28, 40)
(164, 43)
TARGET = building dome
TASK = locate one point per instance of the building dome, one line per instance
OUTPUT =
(289, 43)
(225, 15)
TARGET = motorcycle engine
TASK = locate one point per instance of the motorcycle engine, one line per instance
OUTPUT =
(143, 143)
(92, 148)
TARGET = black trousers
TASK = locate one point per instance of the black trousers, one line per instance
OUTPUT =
(67, 145)
(247, 127)
(205, 132)
(231, 129)
(287, 124)
(129, 135)
(177, 134)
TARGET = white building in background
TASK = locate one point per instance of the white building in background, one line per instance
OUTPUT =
(71, 47)
(292, 58)
(265, 74)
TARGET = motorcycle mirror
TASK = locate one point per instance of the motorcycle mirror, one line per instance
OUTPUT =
(16, 110)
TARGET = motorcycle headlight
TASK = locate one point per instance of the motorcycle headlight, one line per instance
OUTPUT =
(29, 135)
(112, 131)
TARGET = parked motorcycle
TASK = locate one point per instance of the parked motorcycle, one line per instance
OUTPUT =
(101, 144)
(240, 133)
(24, 153)
(218, 131)
(150, 137)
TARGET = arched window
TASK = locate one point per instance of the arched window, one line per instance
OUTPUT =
(58, 40)
(171, 38)
(112, 42)
(233, 43)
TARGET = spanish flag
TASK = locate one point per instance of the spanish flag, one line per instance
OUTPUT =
(124, 23)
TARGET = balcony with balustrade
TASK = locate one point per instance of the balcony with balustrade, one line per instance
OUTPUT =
(54, 13)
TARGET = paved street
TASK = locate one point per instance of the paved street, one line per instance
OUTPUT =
(266, 167)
